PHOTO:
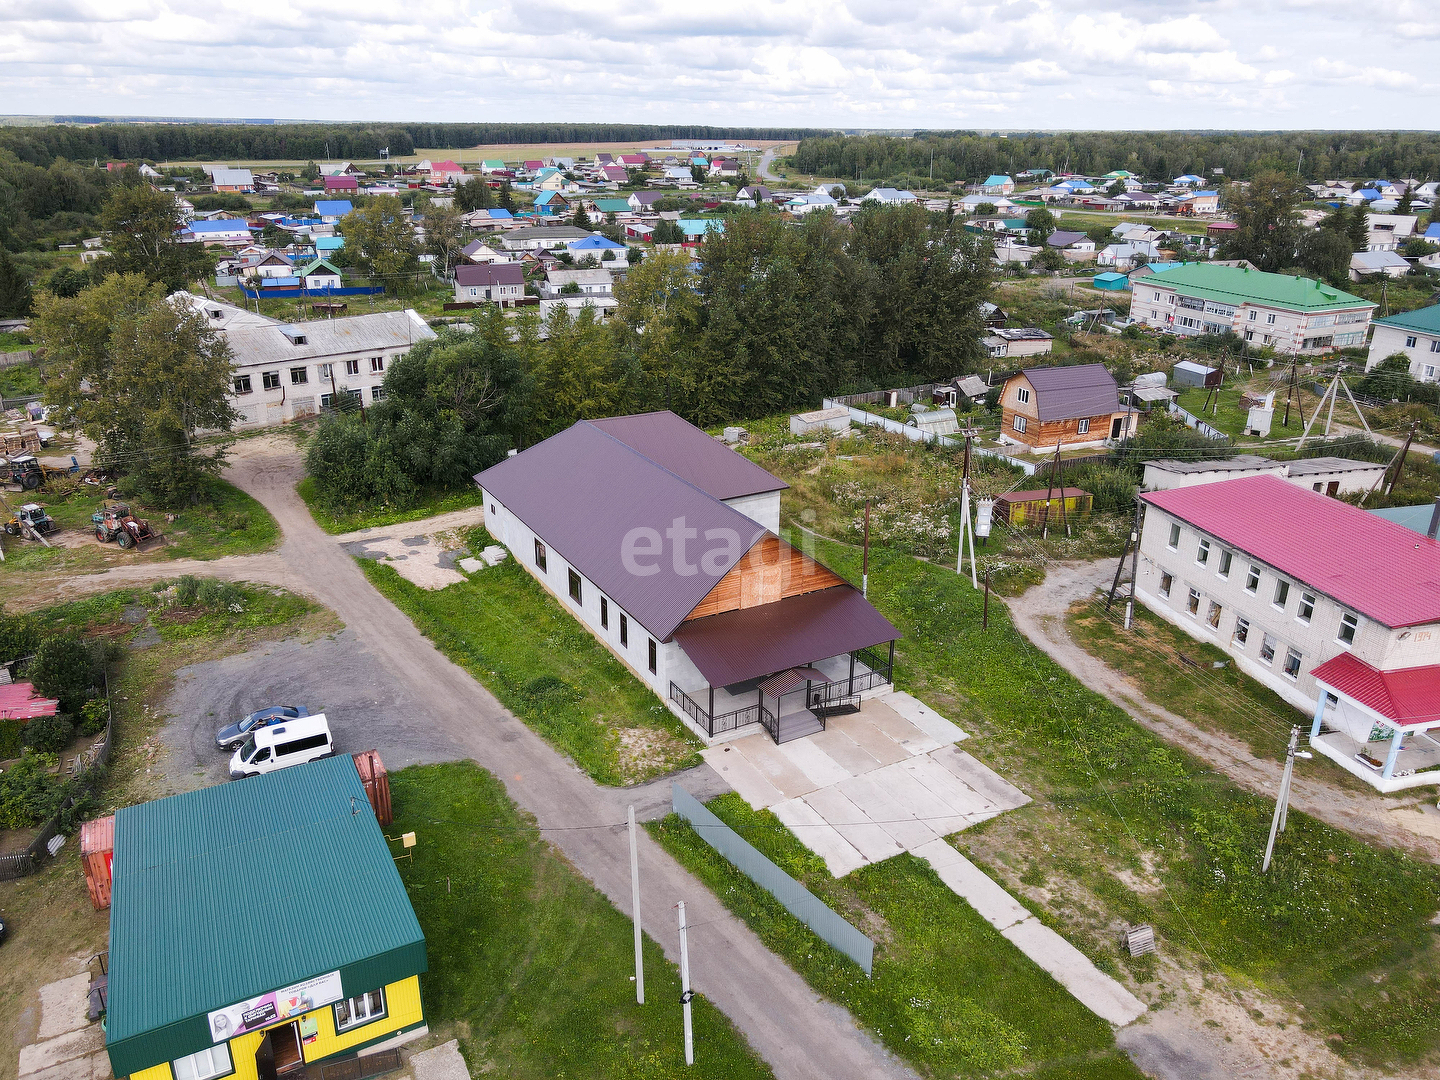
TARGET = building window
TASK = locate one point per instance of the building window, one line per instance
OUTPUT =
(1410, 341)
(1225, 559)
(575, 587)
(1174, 537)
(377, 393)
(1213, 615)
(1193, 604)
(1267, 649)
(1270, 318)
(1292, 664)
(1249, 335)
(1435, 345)
(652, 656)
(1253, 315)
(352, 367)
(270, 380)
(327, 371)
(1348, 625)
(299, 375)
(1429, 371)
(1307, 607)
(352, 1012)
(1242, 631)
(205, 1065)
(1282, 594)
(242, 384)
(1022, 395)
(1018, 423)
(1083, 427)
(624, 632)
(1202, 556)
(377, 364)
(604, 614)
(540, 555)
(1252, 579)
(1166, 581)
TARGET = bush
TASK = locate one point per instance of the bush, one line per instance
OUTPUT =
(187, 589)
(12, 734)
(48, 734)
(1113, 486)
(94, 716)
(29, 794)
(64, 669)
(19, 637)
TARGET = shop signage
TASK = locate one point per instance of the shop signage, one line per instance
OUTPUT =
(289, 1001)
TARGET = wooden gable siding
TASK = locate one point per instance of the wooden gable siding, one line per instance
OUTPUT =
(771, 570)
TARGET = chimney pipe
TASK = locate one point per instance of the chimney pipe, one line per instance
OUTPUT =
(1434, 520)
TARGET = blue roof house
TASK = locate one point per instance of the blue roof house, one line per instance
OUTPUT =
(695, 229)
(332, 210)
(594, 243)
(324, 244)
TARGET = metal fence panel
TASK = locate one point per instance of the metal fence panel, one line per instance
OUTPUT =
(793, 896)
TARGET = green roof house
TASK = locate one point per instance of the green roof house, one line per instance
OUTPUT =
(1292, 315)
(256, 928)
(1415, 334)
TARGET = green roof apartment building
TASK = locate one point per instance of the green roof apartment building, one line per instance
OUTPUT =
(1287, 314)
(1415, 334)
(257, 928)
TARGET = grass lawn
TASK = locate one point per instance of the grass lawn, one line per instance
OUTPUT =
(533, 655)
(230, 522)
(948, 993)
(432, 503)
(1338, 924)
(528, 961)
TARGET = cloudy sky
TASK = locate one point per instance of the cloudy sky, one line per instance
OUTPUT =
(845, 63)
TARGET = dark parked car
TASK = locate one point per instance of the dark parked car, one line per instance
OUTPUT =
(232, 735)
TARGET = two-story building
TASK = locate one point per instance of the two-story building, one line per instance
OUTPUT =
(1336, 610)
(1415, 334)
(1288, 314)
(1072, 407)
(664, 543)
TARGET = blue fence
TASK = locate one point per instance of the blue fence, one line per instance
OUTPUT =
(349, 290)
(795, 898)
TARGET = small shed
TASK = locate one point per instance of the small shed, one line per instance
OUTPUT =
(1110, 282)
(935, 421)
(836, 419)
(97, 853)
(1019, 509)
(1189, 373)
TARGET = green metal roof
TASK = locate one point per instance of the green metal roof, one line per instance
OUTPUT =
(612, 206)
(1237, 285)
(233, 891)
(1425, 319)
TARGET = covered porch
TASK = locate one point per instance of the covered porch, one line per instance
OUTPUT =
(786, 666)
(1380, 726)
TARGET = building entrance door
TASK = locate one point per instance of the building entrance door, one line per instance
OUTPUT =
(1116, 426)
(279, 1052)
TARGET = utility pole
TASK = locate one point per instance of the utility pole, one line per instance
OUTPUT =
(865, 558)
(1120, 566)
(1400, 464)
(635, 907)
(1282, 798)
(686, 994)
(985, 615)
(1134, 568)
(967, 530)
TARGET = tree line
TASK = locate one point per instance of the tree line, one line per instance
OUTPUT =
(1155, 155)
(320, 142)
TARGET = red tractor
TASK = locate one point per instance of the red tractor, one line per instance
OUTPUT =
(115, 522)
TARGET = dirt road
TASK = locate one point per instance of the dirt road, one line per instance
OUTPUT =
(785, 1021)
(1039, 613)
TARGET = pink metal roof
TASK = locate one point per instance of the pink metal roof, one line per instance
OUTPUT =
(18, 701)
(1410, 696)
(1380, 569)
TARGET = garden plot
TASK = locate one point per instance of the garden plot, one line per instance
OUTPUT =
(873, 784)
(427, 560)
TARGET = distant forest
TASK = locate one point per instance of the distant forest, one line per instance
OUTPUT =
(1156, 155)
(323, 142)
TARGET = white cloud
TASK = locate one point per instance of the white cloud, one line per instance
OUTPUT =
(1024, 63)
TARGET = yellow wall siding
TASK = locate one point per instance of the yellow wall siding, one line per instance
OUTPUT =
(157, 1072)
(402, 1000)
(242, 1054)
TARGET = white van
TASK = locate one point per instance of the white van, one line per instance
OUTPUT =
(293, 742)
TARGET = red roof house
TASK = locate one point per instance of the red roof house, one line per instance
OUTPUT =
(18, 701)
(341, 183)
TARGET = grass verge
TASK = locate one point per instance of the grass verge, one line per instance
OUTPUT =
(430, 504)
(1126, 827)
(533, 655)
(527, 959)
(948, 993)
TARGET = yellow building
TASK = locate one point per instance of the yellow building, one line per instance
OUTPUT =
(256, 928)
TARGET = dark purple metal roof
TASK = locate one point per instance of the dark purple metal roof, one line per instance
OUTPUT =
(736, 646)
(469, 274)
(584, 490)
(689, 453)
(1064, 393)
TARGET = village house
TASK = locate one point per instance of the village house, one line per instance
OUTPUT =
(721, 168)
(446, 172)
(1290, 314)
(1331, 476)
(1334, 609)
(1414, 334)
(1389, 231)
(1025, 342)
(1071, 407)
(584, 282)
(998, 184)
(542, 237)
(664, 543)
(340, 183)
(500, 283)
(233, 181)
(888, 196)
(1369, 264)
(331, 211)
(602, 249)
(216, 233)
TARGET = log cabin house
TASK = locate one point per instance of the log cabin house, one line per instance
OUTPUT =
(1074, 408)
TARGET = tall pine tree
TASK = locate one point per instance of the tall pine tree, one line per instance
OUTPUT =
(15, 295)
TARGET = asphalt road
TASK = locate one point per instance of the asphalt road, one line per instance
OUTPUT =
(423, 707)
